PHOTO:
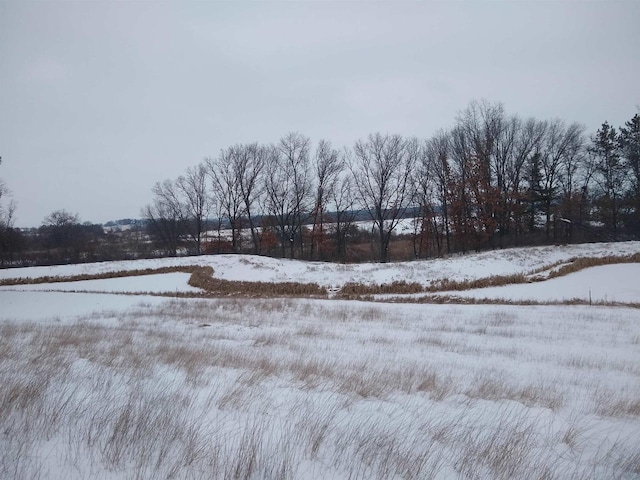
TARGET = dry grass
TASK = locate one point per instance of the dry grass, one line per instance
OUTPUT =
(365, 292)
(458, 300)
(580, 263)
(490, 387)
(287, 388)
(494, 281)
(351, 289)
(356, 291)
(203, 278)
(97, 276)
(617, 406)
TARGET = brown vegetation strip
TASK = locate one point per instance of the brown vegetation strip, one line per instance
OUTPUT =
(494, 281)
(453, 299)
(575, 264)
(351, 290)
(201, 277)
(96, 276)
(581, 263)
(397, 287)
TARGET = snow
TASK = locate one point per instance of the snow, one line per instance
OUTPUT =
(267, 269)
(607, 283)
(106, 385)
(156, 283)
(53, 306)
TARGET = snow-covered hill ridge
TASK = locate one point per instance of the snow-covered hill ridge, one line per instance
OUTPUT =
(266, 269)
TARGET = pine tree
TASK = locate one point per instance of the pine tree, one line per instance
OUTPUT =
(629, 141)
(610, 173)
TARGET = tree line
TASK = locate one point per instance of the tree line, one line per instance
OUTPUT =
(63, 238)
(490, 181)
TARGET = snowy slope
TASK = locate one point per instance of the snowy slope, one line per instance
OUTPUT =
(53, 307)
(608, 283)
(266, 269)
(157, 283)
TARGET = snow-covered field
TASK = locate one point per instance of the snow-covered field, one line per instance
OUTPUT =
(267, 269)
(607, 283)
(99, 385)
(157, 283)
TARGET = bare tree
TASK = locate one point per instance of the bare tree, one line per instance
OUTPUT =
(432, 184)
(249, 169)
(342, 199)
(472, 198)
(527, 142)
(6, 212)
(164, 216)
(7, 219)
(288, 188)
(295, 149)
(504, 161)
(195, 203)
(435, 167)
(237, 186)
(504, 144)
(558, 143)
(61, 230)
(425, 222)
(180, 210)
(277, 187)
(483, 123)
(227, 189)
(328, 165)
(382, 176)
(475, 196)
(574, 179)
(10, 238)
(514, 142)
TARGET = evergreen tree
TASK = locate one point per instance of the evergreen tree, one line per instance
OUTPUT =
(610, 174)
(629, 140)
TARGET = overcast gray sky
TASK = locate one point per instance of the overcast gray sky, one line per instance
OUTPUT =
(99, 100)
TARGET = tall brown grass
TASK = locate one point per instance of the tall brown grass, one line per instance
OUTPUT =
(203, 278)
(96, 276)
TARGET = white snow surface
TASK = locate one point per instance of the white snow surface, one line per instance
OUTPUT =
(607, 283)
(267, 269)
(176, 282)
(56, 306)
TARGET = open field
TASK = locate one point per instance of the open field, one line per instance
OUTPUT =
(512, 270)
(99, 385)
